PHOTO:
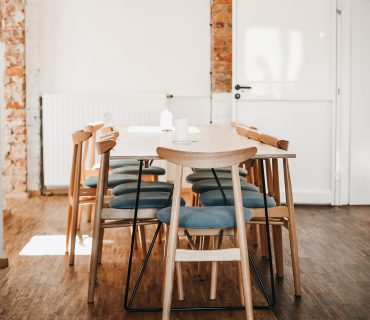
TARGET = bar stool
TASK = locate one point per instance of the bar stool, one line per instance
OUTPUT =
(206, 221)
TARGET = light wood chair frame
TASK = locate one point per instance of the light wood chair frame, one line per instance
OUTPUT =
(105, 217)
(78, 195)
(173, 255)
(281, 215)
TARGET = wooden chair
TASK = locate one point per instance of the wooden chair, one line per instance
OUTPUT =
(281, 215)
(177, 218)
(118, 211)
(75, 193)
(80, 195)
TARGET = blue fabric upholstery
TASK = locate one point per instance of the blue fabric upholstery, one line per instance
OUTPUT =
(147, 200)
(198, 176)
(156, 171)
(144, 187)
(113, 164)
(204, 217)
(211, 184)
(242, 172)
(113, 180)
(251, 199)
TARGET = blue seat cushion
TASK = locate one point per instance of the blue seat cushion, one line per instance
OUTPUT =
(147, 200)
(221, 217)
(242, 172)
(151, 170)
(145, 186)
(113, 180)
(251, 199)
(211, 184)
(113, 164)
(198, 176)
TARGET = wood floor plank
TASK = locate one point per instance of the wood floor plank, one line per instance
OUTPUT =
(334, 250)
(46, 287)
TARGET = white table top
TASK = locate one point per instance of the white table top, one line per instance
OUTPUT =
(142, 142)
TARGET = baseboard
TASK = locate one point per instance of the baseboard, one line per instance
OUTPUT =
(311, 197)
(48, 192)
(4, 263)
(16, 196)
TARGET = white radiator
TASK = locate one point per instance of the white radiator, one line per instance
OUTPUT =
(64, 114)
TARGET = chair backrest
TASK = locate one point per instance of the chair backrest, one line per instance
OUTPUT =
(262, 137)
(103, 148)
(272, 172)
(206, 160)
(78, 138)
(248, 132)
(235, 125)
(273, 141)
(110, 135)
(89, 147)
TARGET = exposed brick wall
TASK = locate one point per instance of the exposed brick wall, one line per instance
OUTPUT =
(14, 131)
(222, 45)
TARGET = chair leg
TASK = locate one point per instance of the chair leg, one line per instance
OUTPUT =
(180, 284)
(101, 238)
(136, 238)
(253, 228)
(217, 242)
(89, 212)
(244, 266)
(94, 262)
(203, 265)
(142, 239)
(242, 299)
(277, 233)
(160, 236)
(193, 199)
(79, 218)
(200, 247)
(292, 230)
(75, 209)
(169, 273)
(263, 240)
(68, 229)
(214, 273)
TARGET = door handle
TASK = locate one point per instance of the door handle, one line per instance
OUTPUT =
(238, 87)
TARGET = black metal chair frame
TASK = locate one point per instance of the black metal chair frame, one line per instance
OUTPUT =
(270, 298)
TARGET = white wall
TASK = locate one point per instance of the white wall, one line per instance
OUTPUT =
(125, 46)
(116, 46)
(360, 103)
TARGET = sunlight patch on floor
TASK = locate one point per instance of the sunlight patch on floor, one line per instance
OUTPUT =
(55, 245)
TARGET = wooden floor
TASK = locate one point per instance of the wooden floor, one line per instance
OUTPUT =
(334, 251)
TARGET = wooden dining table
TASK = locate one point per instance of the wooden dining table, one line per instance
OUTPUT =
(141, 143)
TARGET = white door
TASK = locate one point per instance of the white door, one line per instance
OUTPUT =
(285, 51)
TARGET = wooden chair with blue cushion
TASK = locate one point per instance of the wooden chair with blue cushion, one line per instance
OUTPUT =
(206, 221)
(281, 215)
(119, 210)
(82, 191)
